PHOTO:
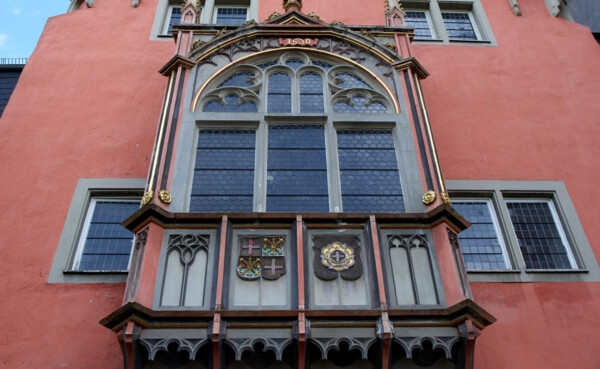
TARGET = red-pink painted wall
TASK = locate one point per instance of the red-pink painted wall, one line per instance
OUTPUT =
(527, 109)
(524, 110)
(94, 72)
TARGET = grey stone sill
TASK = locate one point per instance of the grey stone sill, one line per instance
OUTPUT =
(494, 271)
(95, 272)
(556, 271)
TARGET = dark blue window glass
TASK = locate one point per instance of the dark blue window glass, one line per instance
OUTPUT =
(230, 106)
(349, 80)
(480, 244)
(266, 65)
(224, 171)
(369, 171)
(321, 64)
(418, 20)
(231, 15)
(294, 63)
(240, 79)
(539, 239)
(359, 106)
(458, 26)
(108, 245)
(297, 169)
(175, 17)
(311, 93)
(280, 93)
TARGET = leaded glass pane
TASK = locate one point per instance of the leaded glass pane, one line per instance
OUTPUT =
(321, 64)
(266, 65)
(349, 80)
(540, 241)
(231, 15)
(297, 169)
(240, 79)
(359, 105)
(280, 93)
(294, 63)
(224, 171)
(175, 17)
(369, 171)
(108, 245)
(230, 106)
(418, 20)
(458, 26)
(480, 244)
(311, 93)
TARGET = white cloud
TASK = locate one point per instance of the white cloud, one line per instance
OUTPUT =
(16, 11)
(3, 38)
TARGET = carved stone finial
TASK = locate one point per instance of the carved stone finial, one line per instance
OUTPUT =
(337, 23)
(197, 43)
(314, 16)
(391, 46)
(250, 22)
(366, 33)
(221, 32)
(274, 15)
(292, 4)
(428, 197)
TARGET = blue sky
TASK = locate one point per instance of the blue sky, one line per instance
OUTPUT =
(22, 22)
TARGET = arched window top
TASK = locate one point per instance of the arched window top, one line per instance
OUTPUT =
(294, 82)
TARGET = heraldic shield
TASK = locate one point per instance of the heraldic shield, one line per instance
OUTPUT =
(337, 255)
(261, 256)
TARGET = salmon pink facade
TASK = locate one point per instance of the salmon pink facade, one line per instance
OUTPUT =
(306, 184)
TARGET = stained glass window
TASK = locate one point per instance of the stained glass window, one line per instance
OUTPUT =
(297, 169)
(458, 26)
(311, 93)
(359, 105)
(369, 171)
(105, 244)
(231, 15)
(481, 245)
(541, 238)
(232, 105)
(418, 20)
(280, 93)
(240, 79)
(224, 171)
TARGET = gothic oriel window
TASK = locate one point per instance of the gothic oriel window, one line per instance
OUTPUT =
(314, 162)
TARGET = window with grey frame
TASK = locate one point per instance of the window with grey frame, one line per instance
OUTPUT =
(303, 160)
(530, 228)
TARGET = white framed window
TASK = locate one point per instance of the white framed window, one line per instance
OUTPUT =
(93, 247)
(173, 16)
(482, 244)
(460, 26)
(420, 20)
(232, 15)
(531, 227)
(448, 22)
(104, 245)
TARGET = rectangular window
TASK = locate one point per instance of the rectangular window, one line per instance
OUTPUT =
(482, 244)
(369, 172)
(173, 17)
(104, 245)
(419, 20)
(297, 169)
(540, 235)
(231, 15)
(459, 26)
(224, 170)
(522, 231)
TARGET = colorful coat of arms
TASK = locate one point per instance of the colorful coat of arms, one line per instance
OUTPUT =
(337, 255)
(261, 257)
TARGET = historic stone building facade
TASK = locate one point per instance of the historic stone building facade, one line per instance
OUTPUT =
(322, 185)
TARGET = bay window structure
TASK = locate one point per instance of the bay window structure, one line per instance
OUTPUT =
(309, 163)
(521, 231)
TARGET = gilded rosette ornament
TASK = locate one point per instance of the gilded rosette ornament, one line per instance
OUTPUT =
(445, 198)
(428, 197)
(165, 196)
(337, 256)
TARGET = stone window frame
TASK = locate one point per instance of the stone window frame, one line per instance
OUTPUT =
(207, 14)
(432, 30)
(501, 192)
(86, 190)
(435, 8)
